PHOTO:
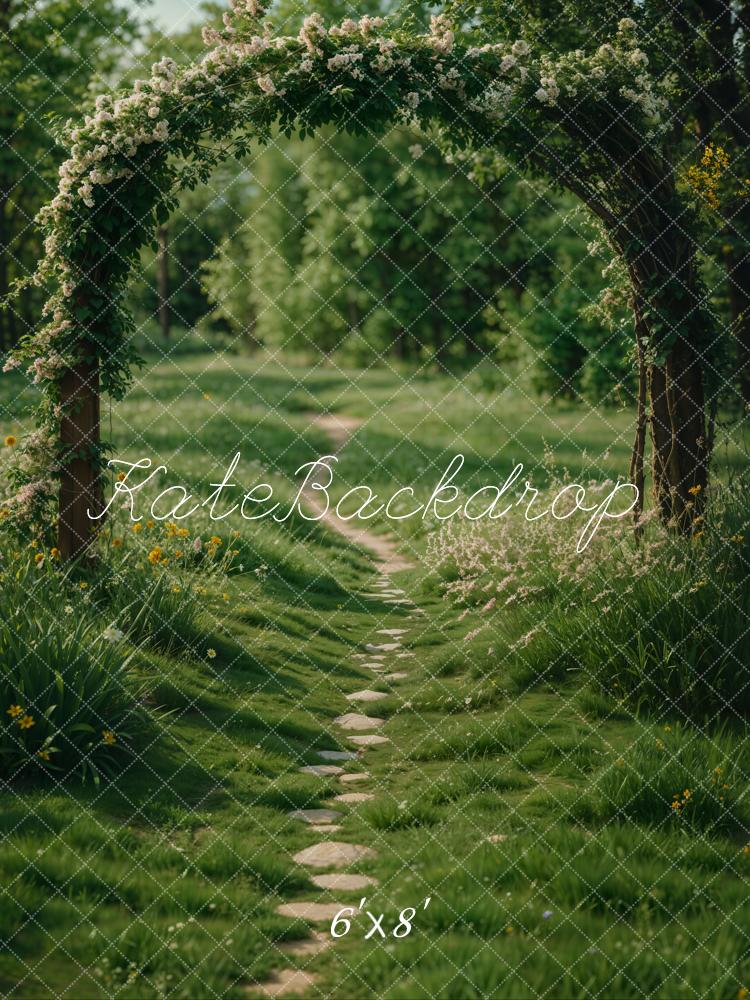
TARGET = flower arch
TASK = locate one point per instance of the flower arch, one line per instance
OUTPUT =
(579, 118)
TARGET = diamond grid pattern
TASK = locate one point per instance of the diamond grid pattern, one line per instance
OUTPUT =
(380, 416)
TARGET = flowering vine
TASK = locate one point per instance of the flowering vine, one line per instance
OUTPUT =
(135, 150)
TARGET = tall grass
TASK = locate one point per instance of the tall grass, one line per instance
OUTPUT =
(662, 623)
(68, 695)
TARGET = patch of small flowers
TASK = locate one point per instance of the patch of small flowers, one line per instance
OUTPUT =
(663, 596)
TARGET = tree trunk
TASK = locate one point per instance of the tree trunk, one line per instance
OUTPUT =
(637, 476)
(81, 488)
(162, 277)
(678, 433)
(738, 275)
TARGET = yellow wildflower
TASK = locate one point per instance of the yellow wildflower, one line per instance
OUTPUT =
(214, 540)
(117, 542)
(154, 555)
(26, 721)
(39, 558)
(9, 440)
(14, 711)
(695, 490)
(83, 585)
(211, 653)
(54, 552)
(149, 524)
(43, 754)
(137, 527)
(108, 737)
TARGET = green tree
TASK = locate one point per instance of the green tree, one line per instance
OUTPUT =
(51, 52)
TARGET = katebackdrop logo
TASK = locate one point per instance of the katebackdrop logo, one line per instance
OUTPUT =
(313, 502)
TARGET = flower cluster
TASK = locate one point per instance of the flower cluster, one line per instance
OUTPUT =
(713, 181)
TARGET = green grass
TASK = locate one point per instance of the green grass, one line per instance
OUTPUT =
(164, 881)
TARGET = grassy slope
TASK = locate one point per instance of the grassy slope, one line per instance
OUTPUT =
(177, 867)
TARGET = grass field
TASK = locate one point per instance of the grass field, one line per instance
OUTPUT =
(536, 811)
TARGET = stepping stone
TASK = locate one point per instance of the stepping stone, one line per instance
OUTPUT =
(355, 776)
(352, 720)
(407, 652)
(496, 838)
(332, 854)
(322, 770)
(337, 754)
(395, 632)
(366, 696)
(370, 740)
(397, 675)
(287, 982)
(309, 911)
(354, 797)
(384, 647)
(340, 880)
(315, 815)
(326, 828)
(313, 945)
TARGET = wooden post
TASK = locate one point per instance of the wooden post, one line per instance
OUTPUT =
(162, 269)
(80, 477)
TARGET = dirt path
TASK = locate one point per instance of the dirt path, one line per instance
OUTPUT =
(388, 559)
(331, 855)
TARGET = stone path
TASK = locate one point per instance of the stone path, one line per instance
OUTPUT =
(366, 696)
(333, 854)
(315, 815)
(370, 740)
(337, 754)
(353, 720)
(287, 983)
(377, 657)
